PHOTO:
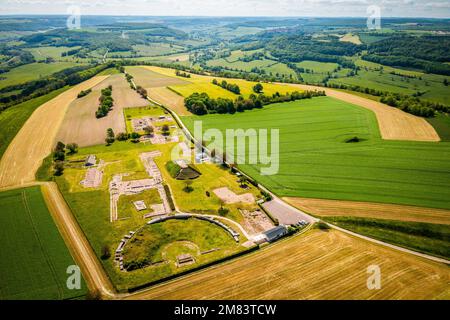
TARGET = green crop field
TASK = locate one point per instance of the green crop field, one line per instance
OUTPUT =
(32, 71)
(316, 161)
(34, 258)
(318, 67)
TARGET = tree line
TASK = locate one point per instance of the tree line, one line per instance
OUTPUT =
(227, 86)
(201, 103)
(106, 102)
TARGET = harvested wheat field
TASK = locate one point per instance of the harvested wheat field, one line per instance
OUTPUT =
(317, 265)
(322, 207)
(169, 99)
(394, 124)
(147, 78)
(35, 140)
(80, 124)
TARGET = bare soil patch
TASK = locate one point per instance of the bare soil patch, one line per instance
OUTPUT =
(229, 197)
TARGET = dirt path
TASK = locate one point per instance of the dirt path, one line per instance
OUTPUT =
(35, 139)
(394, 124)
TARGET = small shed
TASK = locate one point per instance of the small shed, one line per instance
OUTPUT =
(276, 233)
(91, 160)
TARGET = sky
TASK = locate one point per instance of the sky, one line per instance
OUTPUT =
(300, 8)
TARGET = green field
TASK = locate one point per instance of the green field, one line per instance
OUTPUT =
(316, 161)
(32, 71)
(34, 258)
(13, 118)
(422, 237)
(40, 53)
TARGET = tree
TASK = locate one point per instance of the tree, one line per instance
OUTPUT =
(258, 88)
(72, 147)
(122, 136)
(242, 181)
(149, 130)
(109, 136)
(106, 252)
(135, 137)
(165, 130)
(58, 168)
(188, 186)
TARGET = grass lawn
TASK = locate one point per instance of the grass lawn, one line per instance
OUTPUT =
(32, 71)
(423, 237)
(34, 258)
(316, 162)
(12, 119)
(91, 206)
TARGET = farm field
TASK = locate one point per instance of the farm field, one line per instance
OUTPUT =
(32, 71)
(332, 208)
(123, 157)
(271, 67)
(12, 119)
(198, 83)
(316, 161)
(422, 237)
(34, 258)
(80, 124)
(170, 99)
(41, 53)
(27, 150)
(156, 49)
(379, 77)
(332, 265)
(349, 37)
(393, 123)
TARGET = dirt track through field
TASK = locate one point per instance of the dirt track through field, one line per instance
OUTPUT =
(318, 265)
(35, 140)
(322, 207)
(394, 124)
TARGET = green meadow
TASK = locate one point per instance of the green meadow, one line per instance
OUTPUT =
(34, 258)
(32, 71)
(316, 161)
